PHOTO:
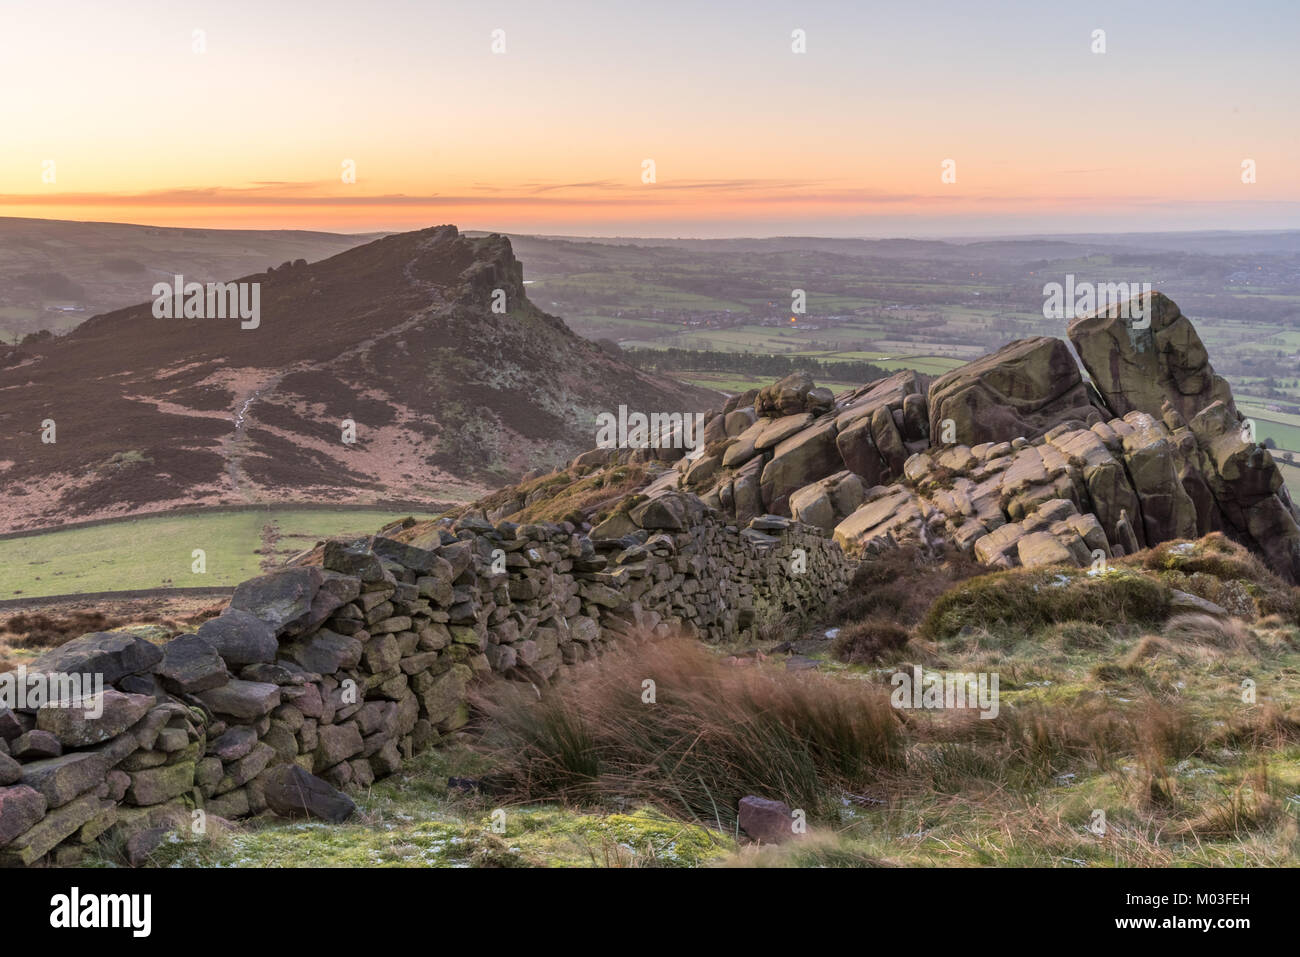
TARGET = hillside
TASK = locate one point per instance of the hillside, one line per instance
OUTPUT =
(54, 274)
(448, 398)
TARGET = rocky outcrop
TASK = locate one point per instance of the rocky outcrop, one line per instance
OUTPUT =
(1156, 451)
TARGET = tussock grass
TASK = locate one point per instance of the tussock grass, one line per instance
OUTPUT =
(713, 734)
(1208, 631)
(1195, 566)
(900, 584)
(1032, 598)
(866, 641)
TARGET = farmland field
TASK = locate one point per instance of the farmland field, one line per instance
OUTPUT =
(158, 551)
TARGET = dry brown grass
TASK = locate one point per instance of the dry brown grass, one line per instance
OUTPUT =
(712, 735)
(901, 584)
(36, 630)
(1208, 631)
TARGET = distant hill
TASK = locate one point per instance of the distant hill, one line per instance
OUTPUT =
(449, 399)
(54, 274)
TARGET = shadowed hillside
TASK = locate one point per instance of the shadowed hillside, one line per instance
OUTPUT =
(448, 398)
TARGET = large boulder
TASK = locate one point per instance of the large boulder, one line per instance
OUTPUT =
(1248, 488)
(1022, 390)
(191, 664)
(829, 501)
(282, 599)
(799, 460)
(785, 397)
(891, 516)
(112, 654)
(1154, 463)
(240, 638)
(1104, 476)
(1142, 353)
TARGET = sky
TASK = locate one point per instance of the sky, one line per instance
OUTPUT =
(246, 114)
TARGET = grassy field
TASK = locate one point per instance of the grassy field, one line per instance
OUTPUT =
(157, 552)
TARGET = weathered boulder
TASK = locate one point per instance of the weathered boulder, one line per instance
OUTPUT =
(891, 516)
(802, 458)
(242, 700)
(1153, 464)
(671, 511)
(1042, 548)
(859, 453)
(1137, 364)
(20, 808)
(1022, 390)
(61, 779)
(240, 638)
(190, 664)
(1248, 488)
(765, 820)
(324, 652)
(57, 825)
(354, 557)
(422, 561)
(827, 502)
(787, 396)
(158, 785)
(281, 599)
(95, 718)
(776, 431)
(112, 654)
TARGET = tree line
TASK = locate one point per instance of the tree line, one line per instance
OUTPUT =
(753, 363)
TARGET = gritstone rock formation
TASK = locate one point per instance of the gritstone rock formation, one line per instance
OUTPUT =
(1014, 457)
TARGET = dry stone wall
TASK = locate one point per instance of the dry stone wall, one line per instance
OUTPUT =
(318, 677)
